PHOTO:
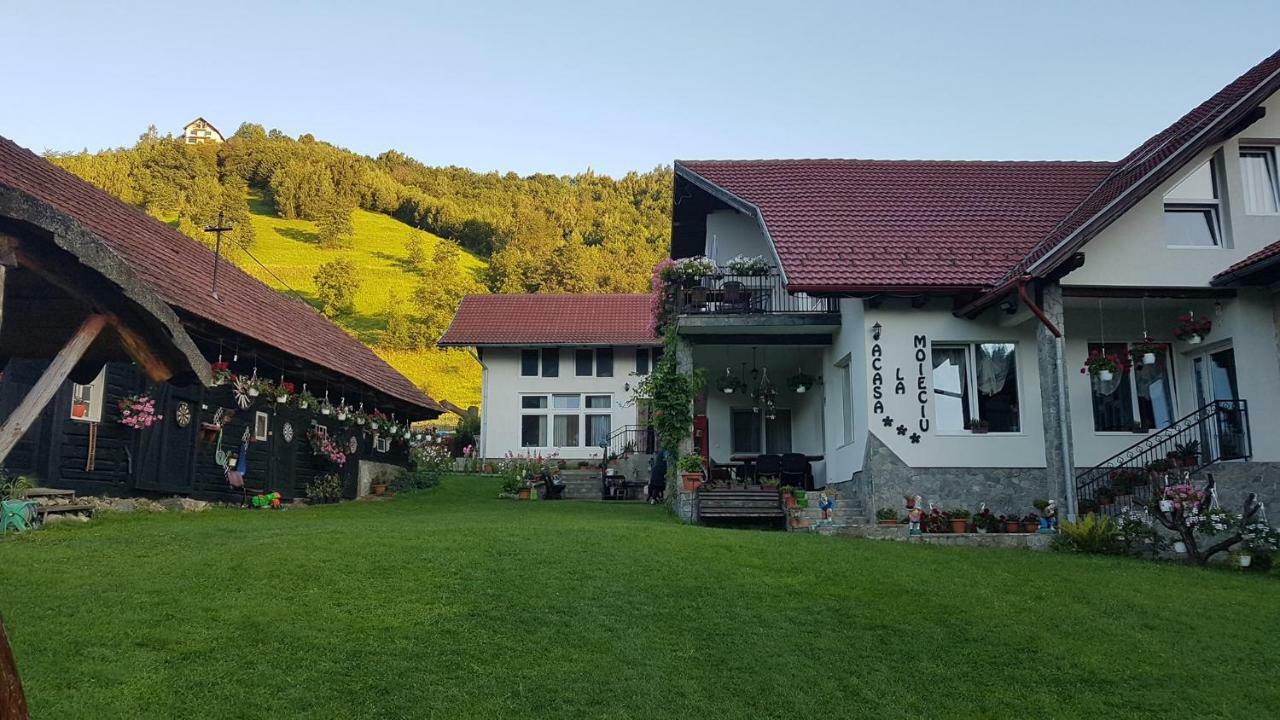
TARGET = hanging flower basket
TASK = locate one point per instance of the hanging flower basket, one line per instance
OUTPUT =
(800, 383)
(138, 411)
(1103, 366)
(1191, 329)
(730, 383)
(283, 391)
(1146, 351)
(221, 373)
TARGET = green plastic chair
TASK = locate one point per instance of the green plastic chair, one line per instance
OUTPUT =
(17, 514)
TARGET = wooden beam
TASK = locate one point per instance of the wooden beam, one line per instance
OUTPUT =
(15, 426)
(13, 703)
(153, 365)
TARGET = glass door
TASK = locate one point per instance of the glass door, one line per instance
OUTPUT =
(1215, 376)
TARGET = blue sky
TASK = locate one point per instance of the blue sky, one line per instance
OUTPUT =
(563, 86)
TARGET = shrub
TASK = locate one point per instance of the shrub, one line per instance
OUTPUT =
(337, 283)
(690, 464)
(1090, 534)
(887, 514)
(325, 487)
(415, 478)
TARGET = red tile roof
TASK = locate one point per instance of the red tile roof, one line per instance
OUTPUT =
(552, 320)
(1141, 170)
(178, 269)
(879, 224)
(1267, 256)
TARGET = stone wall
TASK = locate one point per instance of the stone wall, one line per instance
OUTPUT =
(1236, 480)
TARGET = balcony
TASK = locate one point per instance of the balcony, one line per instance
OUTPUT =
(723, 302)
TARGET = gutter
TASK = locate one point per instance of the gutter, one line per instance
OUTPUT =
(1034, 308)
(1231, 276)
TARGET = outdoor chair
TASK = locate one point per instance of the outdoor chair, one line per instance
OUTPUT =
(553, 488)
(768, 468)
(695, 299)
(735, 297)
(796, 471)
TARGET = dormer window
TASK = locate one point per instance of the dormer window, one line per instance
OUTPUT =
(1192, 216)
(1260, 180)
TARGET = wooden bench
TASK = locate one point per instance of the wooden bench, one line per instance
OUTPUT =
(727, 505)
(36, 492)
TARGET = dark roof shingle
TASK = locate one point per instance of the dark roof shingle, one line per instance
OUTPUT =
(178, 269)
(552, 320)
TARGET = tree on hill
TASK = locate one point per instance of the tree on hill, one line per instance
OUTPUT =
(337, 283)
(335, 226)
(416, 250)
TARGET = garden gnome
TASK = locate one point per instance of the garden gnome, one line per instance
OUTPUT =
(825, 503)
(914, 515)
(1049, 522)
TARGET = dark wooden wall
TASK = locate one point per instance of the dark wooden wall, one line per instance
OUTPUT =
(166, 459)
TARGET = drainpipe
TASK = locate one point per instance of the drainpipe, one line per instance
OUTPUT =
(484, 404)
(1060, 380)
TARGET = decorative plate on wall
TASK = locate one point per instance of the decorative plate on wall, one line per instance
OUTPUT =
(182, 414)
(287, 431)
(352, 445)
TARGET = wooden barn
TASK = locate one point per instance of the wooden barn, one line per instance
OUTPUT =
(239, 370)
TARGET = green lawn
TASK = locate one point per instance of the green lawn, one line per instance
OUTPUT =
(450, 604)
(291, 249)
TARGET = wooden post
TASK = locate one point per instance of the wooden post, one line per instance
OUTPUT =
(47, 386)
(13, 703)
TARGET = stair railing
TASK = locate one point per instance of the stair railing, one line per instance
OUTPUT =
(1216, 432)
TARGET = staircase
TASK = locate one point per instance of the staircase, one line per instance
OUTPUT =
(1216, 432)
(848, 510)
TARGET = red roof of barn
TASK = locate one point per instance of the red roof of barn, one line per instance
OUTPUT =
(552, 320)
(178, 269)
(871, 224)
(1267, 256)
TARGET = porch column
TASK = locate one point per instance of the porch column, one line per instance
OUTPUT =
(684, 363)
(1055, 405)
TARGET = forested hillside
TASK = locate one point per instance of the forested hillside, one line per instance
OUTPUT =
(388, 245)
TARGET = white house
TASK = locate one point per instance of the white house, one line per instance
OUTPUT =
(558, 371)
(200, 131)
(944, 312)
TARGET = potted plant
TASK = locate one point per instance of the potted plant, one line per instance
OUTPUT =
(1030, 523)
(691, 472)
(1242, 557)
(800, 383)
(730, 383)
(978, 427)
(283, 391)
(886, 516)
(79, 409)
(747, 265)
(690, 271)
(959, 519)
(1186, 454)
(1102, 365)
(986, 521)
(1146, 351)
(1012, 523)
(221, 372)
(1191, 330)
(379, 484)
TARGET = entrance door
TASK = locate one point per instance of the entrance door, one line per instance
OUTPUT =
(1215, 375)
(165, 451)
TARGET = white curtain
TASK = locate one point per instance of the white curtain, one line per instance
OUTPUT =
(1259, 175)
(994, 367)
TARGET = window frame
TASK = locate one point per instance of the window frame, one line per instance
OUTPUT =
(1134, 409)
(97, 389)
(970, 348)
(844, 366)
(1210, 207)
(550, 357)
(601, 353)
(553, 405)
(578, 356)
(1271, 158)
(648, 364)
(525, 355)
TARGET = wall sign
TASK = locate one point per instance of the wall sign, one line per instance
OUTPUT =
(916, 426)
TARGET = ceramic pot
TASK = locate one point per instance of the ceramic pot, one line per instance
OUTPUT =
(1245, 560)
(1194, 339)
(1180, 547)
(1149, 358)
(959, 525)
(1166, 506)
(1105, 375)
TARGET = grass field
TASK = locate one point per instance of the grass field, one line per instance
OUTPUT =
(290, 248)
(452, 604)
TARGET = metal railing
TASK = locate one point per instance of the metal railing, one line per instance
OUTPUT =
(1216, 432)
(631, 439)
(723, 294)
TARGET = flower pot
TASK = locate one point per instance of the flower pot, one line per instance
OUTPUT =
(302, 405)
(1166, 506)
(1244, 561)
(692, 481)
(1105, 375)
(727, 391)
(1149, 358)
(79, 410)
(1030, 527)
(523, 494)
(959, 525)
(789, 500)
(1012, 526)
(1180, 547)
(324, 411)
(282, 399)
(253, 392)
(1194, 339)
(378, 488)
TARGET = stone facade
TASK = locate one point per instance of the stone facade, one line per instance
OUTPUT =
(1235, 480)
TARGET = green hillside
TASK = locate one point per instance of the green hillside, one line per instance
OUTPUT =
(291, 250)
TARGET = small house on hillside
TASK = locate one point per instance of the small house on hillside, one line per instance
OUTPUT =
(290, 395)
(200, 131)
(559, 371)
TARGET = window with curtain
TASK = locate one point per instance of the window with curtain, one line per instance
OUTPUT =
(777, 433)
(744, 428)
(976, 382)
(533, 431)
(1260, 180)
(598, 429)
(565, 431)
(1137, 398)
(583, 361)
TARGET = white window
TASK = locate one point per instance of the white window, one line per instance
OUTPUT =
(87, 400)
(1260, 180)
(975, 388)
(1136, 399)
(1192, 210)
(843, 368)
(561, 420)
(261, 425)
(382, 443)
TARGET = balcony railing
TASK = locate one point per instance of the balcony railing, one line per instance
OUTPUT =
(723, 294)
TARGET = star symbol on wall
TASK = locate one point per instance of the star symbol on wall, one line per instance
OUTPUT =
(902, 429)
(888, 421)
(915, 438)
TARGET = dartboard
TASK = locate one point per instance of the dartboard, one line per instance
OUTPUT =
(352, 445)
(182, 414)
(287, 431)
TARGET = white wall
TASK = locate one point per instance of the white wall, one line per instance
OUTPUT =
(503, 387)
(845, 459)
(731, 233)
(1133, 250)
